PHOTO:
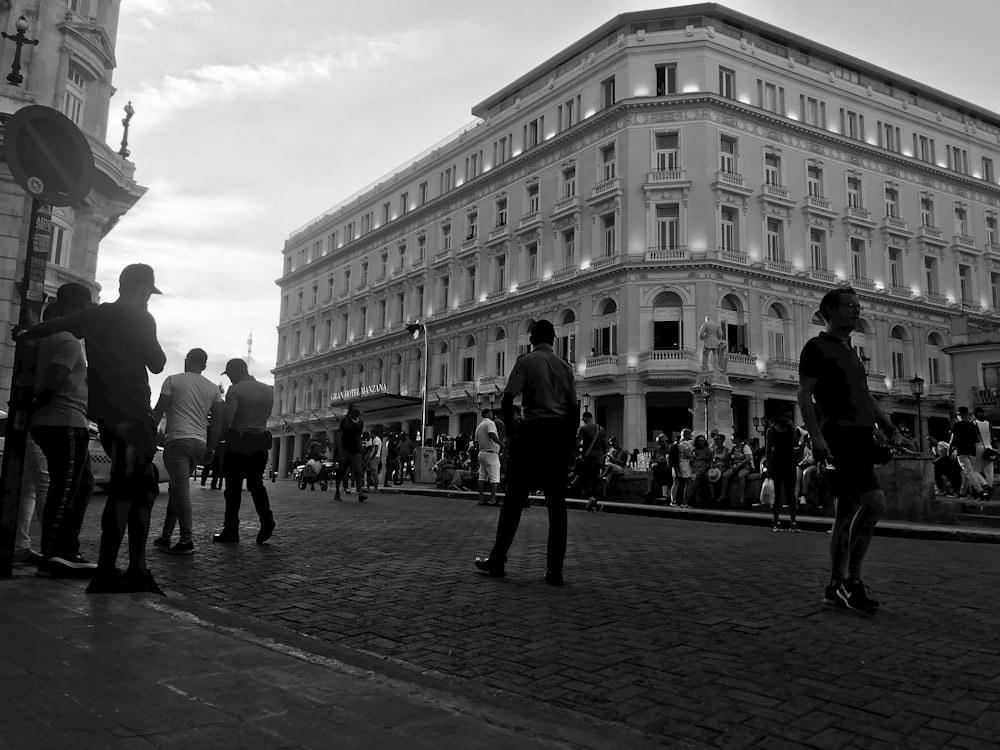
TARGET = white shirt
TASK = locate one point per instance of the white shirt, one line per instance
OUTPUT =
(984, 431)
(483, 435)
(191, 398)
(377, 447)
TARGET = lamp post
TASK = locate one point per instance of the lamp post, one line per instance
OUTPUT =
(917, 389)
(586, 402)
(760, 425)
(21, 24)
(129, 111)
(415, 329)
(479, 401)
(706, 393)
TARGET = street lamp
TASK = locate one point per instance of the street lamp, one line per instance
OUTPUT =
(917, 389)
(586, 402)
(21, 24)
(415, 329)
(479, 401)
(706, 393)
(866, 361)
(129, 111)
(760, 425)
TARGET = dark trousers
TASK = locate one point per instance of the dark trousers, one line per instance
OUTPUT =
(70, 484)
(944, 468)
(240, 465)
(540, 456)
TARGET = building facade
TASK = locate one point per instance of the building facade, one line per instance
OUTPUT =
(70, 70)
(669, 168)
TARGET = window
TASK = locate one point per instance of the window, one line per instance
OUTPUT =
(329, 286)
(349, 232)
(729, 229)
(608, 92)
(668, 227)
(364, 274)
(500, 277)
(667, 322)
(383, 265)
(473, 165)
(857, 258)
(770, 97)
(895, 256)
(534, 131)
(446, 237)
(958, 159)
(501, 212)
(775, 239)
(363, 320)
(468, 369)
(727, 83)
(366, 223)
(923, 148)
(898, 369)
(470, 283)
(421, 246)
(813, 111)
(961, 221)
(444, 292)
(666, 79)
(472, 230)
(609, 234)
(817, 249)
(569, 113)
(991, 229)
(931, 274)
(59, 246)
(531, 252)
(569, 182)
(848, 74)
(988, 174)
(852, 124)
(772, 169)
(927, 211)
(386, 213)
(727, 154)
(503, 149)
(532, 199)
(666, 155)
(608, 162)
(420, 300)
(447, 180)
(891, 202)
(422, 193)
(814, 180)
(888, 136)
(965, 282)
(383, 314)
(347, 279)
(569, 248)
(995, 289)
(404, 203)
(854, 198)
(606, 330)
(74, 96)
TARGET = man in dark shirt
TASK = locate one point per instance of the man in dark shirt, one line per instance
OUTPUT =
(351, 428)
(840, 416)
(541, 448)
(121, 347)
(966, 439)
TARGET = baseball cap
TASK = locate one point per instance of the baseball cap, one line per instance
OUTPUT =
(236, 367)
(197, 356)
(138, 274)
(74, 295)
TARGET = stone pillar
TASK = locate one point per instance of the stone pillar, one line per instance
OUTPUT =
(634, 418)
(299, 446)
(719, 405)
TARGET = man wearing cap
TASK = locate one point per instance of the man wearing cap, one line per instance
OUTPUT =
(193, 407)
(121, 350)
(542, 446)
(59, 428)
(248, 405)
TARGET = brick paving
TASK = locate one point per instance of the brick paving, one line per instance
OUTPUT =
(695, 634)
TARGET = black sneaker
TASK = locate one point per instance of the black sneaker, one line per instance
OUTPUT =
(162, 542)
(226, 535)
(337, 497)
(266, 529)
(362, 498)
(106, 583)
(830, 597)
(854, 594)
(554, 578)
(137, 583)
(181, 548)
(68, 566)
(491, 568)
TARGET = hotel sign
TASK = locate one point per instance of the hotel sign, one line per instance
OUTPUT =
(365, 390)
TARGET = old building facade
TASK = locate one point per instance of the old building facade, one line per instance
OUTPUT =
(670, 167)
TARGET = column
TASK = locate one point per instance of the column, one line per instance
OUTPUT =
(284, 446)
(300, 444)
(635, 416)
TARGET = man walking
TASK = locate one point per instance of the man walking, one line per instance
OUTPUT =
(244, 419)
(541, 448)
(59, 431)
(840, 415)
(489, 457)
(193, 407)
(967, 440)
(983, 465)
(122, 349)
(351, 427)
(592, 443)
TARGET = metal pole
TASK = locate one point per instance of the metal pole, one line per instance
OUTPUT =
(423, 413)
(920, 429)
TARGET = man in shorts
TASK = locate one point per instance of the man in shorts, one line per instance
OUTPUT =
(841, 415)
(489, 457)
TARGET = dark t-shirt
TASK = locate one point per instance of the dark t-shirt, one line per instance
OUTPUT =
(841, 393)
(121, 343)
(781, 446)
(350, 435)
(965, 435)
(587, 434)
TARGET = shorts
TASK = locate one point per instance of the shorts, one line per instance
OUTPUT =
(853, 455)
(489, 467)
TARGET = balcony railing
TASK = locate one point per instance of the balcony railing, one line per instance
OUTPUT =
(774, 364)
(565, 204)
(605, 261)
(605, 187)
(966, 242)
(528, 285)
(928, 232)
(902, 291)
(822, 274)
(862, 283)
(528, 219)
(668, 360)
(662, 253)
(602, 360)
(499, 231)
(779, 266)
(818, 201)
(661, 176)
(734, 257)
(734, 179)
(876, 382)
(742, 364)
(775, 191)
(859, 213)
(937, 298)
(993, 248)
(941, 389)
(564, 273)
(894, 222)
(485, 380)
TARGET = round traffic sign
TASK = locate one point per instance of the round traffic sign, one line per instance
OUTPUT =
(48, 155)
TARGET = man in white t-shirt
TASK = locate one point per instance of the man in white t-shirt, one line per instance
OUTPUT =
(489, 457)
(981, 465)
(192, 405)
(376, 459)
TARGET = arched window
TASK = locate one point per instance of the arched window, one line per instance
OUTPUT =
(497, 352)
(897, 350)
(566, 336)
(937, 364)
(524, 337)
(468, 355)
(778, 328)
(668, 322)
(441, 364)
(863, 343)
(816, 324)
(606, 330)
(360, 375)
(733, 320)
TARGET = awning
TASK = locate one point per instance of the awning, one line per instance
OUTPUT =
(378, 402)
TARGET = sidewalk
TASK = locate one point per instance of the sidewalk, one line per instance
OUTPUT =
(136, 671)
(761, 517)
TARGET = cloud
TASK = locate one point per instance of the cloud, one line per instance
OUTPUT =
(165, 7)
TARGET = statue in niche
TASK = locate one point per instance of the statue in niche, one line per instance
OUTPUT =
(713, 338)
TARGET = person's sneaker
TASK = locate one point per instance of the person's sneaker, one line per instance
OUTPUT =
(181, 548)
(106, 582)
(163, 542)
(854, 594)
(266, 529)
(794, 528)
(491, 568)
(830, 597)
(136, 583)
(226, 535)
(70, 566)
(777, 528)
(554, 578)
(362, 498)
(27, 556)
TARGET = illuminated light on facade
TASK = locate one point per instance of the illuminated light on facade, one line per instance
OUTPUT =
(585, 265)
(879, 286)
(641, 90)
(908, 152)
(632, 360)
(589, 113)
(690, 88)
(744, 99)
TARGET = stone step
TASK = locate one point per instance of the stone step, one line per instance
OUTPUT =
(988, 508)
(979, 519)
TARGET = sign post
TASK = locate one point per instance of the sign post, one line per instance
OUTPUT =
(50, 158)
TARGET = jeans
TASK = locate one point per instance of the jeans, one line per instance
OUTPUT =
(34, 487)
(180, 458)
(70, 485)
(245, 459)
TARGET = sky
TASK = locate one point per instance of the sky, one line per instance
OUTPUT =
(252, 118)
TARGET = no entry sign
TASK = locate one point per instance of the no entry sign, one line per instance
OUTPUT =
(48, 156)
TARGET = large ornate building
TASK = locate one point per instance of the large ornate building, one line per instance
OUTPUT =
(669, 167)
(70, 70)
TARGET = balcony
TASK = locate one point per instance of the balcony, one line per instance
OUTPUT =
(876, 382)
(565, 205)
(666, 178)
(822, 274)
(381, 279)
(783, 368)
(965, 243)
(564, 273)
(860, 282)
(442, 255)
(900, 291)
(604, 261)
(668, 363)
(498, 234)
(779, 266)
(942, 390)
(859, 215)
(993, 249)
(491, 382)
(460, 390)
(931, 234)
(742, 365)
(602, 366)
(732, 182)
(936, 298)
(529, 285)
(777, 193)
(897, 226)
(733, 257)
(531, 220)
(603, 188)
(496, 294)
(663, 254)
(818, 204)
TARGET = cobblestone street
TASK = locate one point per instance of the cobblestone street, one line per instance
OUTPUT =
(695, 633)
